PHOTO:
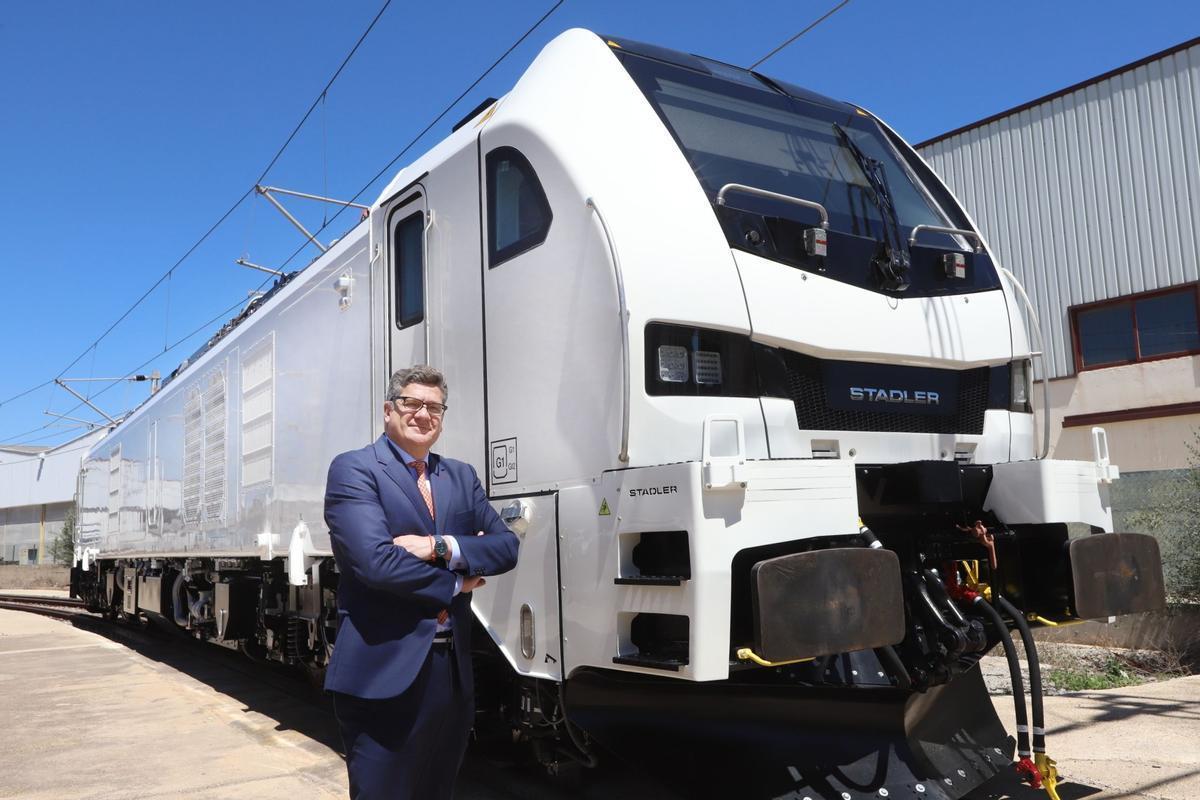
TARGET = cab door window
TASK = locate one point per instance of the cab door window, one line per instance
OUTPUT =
(519, 215)
(408, 257)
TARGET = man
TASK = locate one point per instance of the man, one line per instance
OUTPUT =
(413, 536)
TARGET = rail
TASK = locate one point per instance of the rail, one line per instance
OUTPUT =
(58, 607)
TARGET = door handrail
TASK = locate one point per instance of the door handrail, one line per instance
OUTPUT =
(623, 455)
(1040, 354)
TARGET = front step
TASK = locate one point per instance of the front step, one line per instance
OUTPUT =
(652, 662)
(650, 580)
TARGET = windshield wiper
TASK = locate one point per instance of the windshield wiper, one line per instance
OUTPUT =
(892, 261)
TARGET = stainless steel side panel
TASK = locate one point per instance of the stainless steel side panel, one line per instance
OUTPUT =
(230, 455)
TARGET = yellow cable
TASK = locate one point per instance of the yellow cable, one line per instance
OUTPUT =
(1041, 619)
(746, 654)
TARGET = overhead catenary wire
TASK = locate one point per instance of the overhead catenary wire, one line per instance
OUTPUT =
(528, 32)
(453, 103)
(811, 25)
(224, 314)
(424, 131)
(245, 195)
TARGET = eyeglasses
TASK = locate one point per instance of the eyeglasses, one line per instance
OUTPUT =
(413, 405)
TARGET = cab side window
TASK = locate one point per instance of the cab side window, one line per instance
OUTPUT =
(408, 262)
(518, 213)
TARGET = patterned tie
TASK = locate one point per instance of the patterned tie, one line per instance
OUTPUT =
(427, 492)
(423, 485)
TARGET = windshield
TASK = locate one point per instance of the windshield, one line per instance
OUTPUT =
(735, 127)
(732, 132)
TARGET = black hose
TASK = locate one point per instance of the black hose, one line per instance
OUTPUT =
(1014, 669)
(1035, 674)
(869, 538)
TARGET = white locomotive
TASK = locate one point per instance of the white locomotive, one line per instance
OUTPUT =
(711, 339)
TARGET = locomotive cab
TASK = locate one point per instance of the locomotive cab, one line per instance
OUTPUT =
(742, 375)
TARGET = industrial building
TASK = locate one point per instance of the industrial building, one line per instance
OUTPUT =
(1091, 197)
(37, 487)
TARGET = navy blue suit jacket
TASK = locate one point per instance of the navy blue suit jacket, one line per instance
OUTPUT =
(388, 599)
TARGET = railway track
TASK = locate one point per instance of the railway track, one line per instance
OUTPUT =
(46, 605)
(176, 648)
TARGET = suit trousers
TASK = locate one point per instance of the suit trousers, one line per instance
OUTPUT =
(408, 747)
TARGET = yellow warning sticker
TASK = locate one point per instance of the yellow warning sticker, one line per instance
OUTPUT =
(604, 512)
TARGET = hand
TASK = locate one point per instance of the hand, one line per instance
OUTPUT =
(472, 583)
(418, 545)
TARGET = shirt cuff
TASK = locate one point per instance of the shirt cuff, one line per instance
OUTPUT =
(457, 561)
(458, 579)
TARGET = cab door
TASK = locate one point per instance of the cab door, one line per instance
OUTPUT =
(406, 245)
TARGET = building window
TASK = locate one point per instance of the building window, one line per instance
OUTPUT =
(519, 215)
(1140, 327)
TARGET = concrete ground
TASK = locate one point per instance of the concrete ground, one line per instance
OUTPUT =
(87, 717)
(1136, 742)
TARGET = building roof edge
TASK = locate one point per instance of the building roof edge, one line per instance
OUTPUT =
(1060, 93)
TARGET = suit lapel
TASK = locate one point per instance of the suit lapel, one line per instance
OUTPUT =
(437, 483)
(403, 478)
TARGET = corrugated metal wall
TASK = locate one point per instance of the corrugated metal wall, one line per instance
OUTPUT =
(1089, 195)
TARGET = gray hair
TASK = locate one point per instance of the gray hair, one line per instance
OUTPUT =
(420, 373)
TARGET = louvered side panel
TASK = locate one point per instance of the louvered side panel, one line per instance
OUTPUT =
(258, 413)
(214, 447)
(193, 455)
(115, 485)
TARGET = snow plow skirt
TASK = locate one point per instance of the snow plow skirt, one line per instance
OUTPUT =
(826, 601)
(750, 740)
(1115, 574)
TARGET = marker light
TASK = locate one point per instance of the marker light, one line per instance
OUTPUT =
(954, 265)
(707, 365)
(672, 363)
(1022, 380)
(699, 362)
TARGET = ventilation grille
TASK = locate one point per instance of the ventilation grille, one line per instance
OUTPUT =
(214, 447)
(193, 455)
(115, 478)
(806, 388)
(204, 434)
(258, 406)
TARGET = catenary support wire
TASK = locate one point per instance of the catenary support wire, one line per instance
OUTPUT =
(811, 25)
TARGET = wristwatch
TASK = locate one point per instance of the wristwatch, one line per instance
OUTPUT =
(440, 550)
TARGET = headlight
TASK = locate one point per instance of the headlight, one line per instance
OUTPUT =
(698, 361)
(672, 363)
(1020, 389)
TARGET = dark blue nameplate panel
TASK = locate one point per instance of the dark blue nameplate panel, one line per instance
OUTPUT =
(890, 389)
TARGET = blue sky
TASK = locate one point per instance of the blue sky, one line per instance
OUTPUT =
(128, 128)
